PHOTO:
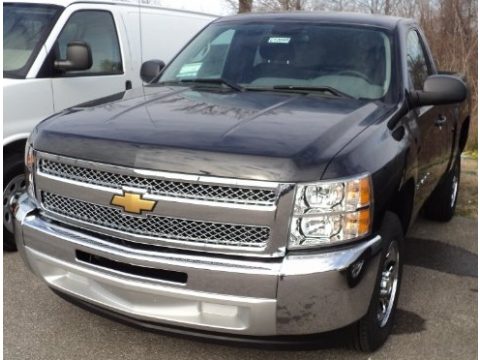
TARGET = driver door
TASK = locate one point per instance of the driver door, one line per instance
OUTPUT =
(96, 27)
(432, 122)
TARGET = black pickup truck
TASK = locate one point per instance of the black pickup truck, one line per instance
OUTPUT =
(258, 189)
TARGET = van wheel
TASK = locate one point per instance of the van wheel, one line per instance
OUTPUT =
(371, 332)
(440, 206)
(14, 183)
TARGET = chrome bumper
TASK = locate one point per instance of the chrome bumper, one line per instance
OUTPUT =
(298, 294)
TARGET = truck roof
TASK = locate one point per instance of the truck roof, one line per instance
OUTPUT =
(66, 3)
(388, 22)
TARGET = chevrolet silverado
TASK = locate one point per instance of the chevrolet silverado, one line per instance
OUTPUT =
(258, 189)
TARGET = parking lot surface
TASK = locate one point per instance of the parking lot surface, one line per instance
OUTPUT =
(437, 316)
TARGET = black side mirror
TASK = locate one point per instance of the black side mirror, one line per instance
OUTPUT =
(79, 57)
(151, 69)
(439, 90)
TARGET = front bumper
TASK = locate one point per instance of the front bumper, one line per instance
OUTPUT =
(296, 295)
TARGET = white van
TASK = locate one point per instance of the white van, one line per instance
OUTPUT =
(58, 54)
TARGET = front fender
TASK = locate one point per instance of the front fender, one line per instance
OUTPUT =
(389, 156)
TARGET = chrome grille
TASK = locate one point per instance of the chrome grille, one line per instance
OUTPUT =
(158, 226)
(163, 187)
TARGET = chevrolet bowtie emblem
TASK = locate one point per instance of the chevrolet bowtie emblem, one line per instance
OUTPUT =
(133, 203)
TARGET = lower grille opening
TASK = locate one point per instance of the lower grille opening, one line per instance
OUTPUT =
(143, 271)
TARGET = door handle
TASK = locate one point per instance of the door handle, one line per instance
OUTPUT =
(441, 120)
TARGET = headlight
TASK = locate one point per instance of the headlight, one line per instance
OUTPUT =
(29, 169)
(331, 212)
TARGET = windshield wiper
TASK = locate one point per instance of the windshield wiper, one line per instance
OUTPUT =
(220, 81)
(306, 88)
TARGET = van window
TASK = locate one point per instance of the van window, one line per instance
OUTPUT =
(97, 29)
(25, 27)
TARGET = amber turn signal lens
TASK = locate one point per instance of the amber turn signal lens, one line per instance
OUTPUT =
(357, 223)
(29, 160)
(358, 193)
(365, 195)
(363, 222)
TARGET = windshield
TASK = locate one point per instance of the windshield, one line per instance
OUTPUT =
(25, 26)
(355, 61)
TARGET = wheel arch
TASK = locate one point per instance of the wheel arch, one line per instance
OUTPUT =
(401, 203)
(14, 145)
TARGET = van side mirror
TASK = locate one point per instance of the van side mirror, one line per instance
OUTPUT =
(439, 90)
(151, 69)
(79, 57)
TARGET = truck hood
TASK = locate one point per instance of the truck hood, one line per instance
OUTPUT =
(251, 135)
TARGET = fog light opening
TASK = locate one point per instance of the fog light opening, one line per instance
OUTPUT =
(355, 271)
(357, 268)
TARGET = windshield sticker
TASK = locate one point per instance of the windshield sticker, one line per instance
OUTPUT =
(189, 70)
(279, 40)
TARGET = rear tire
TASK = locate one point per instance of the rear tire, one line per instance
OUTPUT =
(371, 332)
(441, 204)
(14, 183)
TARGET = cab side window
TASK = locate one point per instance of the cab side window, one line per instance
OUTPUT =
(418, 66)
(97, 29)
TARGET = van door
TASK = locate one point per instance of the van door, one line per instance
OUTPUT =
(97, 27)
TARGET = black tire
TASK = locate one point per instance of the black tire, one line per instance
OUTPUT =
(13, 168)
(370, 333)
(441, 204)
